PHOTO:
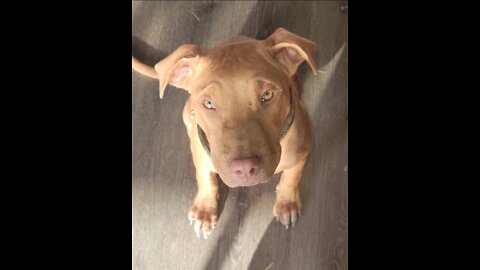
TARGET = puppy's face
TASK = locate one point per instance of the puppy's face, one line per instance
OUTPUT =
(241, 100)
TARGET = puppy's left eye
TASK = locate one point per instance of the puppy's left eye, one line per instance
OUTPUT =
(267, 95)
(208, 104)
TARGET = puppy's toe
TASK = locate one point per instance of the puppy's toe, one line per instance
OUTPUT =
(196, 227)
(294, 216)
(206, 229)
(285, 218)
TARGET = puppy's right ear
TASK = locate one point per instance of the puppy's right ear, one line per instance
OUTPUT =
(292, 50)
(178, 68)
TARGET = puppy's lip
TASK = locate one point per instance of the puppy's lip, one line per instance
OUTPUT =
(248, 182)
(230, 182)
(244, 184)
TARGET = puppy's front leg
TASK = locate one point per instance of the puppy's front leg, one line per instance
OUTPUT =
(204, 206)
(288, 205)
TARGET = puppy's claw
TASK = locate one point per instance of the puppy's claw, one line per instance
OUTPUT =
(196, 227)
(293, 216)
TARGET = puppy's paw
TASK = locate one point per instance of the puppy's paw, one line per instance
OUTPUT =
(288, 206)
(203, 214)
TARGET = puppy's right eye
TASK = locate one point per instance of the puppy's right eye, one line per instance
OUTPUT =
(208, 104)
(267, 95)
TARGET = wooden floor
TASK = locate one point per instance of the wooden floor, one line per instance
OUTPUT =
(163, 178)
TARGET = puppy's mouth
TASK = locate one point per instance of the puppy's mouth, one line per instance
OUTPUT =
(233, 181)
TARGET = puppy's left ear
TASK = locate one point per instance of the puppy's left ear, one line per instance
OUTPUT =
(291, 50)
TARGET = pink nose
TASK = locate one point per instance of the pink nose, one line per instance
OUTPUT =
(244, 168)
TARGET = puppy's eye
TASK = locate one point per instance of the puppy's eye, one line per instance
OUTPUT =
(267, 95)
(208, 104)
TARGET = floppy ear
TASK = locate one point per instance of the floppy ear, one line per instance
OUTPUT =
(291, 50)
(177, 68)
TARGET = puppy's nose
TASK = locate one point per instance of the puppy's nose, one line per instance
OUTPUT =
(244, 168)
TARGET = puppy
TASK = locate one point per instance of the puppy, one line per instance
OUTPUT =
(244, 117)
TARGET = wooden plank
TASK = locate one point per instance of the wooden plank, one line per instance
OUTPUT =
(163, 176)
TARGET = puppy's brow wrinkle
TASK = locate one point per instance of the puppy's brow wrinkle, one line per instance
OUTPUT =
(209, 83)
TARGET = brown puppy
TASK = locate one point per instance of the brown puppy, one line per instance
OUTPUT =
(244, 117)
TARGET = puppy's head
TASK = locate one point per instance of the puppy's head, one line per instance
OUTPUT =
(241, 99)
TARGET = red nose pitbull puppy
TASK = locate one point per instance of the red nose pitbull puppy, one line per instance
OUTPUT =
(244, 117)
